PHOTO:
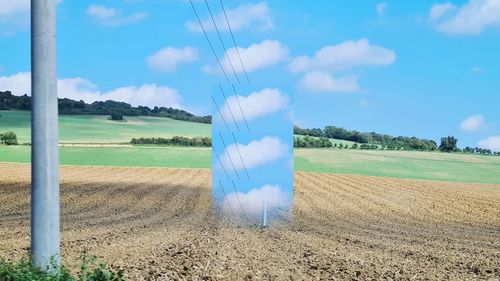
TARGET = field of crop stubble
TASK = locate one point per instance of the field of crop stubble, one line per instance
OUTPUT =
(158, 223)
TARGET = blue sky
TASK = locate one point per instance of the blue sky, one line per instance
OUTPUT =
(259, 159)
(423, 68)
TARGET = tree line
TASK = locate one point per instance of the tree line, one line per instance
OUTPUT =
(178, 141)
(382, 140)
(8, 101)
(317, 138)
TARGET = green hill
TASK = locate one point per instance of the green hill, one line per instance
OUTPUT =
(99, 129)
(458, 167)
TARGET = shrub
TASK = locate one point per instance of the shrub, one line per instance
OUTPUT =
(179, 141)
(90, 270)
(116, 116)
(9, 138)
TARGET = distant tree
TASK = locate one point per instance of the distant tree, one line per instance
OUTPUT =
(483, 151)
(325, 142)
(116, 116)
(382, 141)
(448, 144)
(66, 106)
(206, 141)
(8, 138)
(468, 150)
(315, 132)
(177, 141)
(365, 146)
(354, 146)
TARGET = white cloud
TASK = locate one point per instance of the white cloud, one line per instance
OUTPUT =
(9, 7)
(255, 105)
(344, 56)
(18, 84)
(254, 154)
(82, 89)
(113, 17)
(324, 82)
(492, 143)
(252, 202)
(247, 15)
(381, 7)
(255, 57)
(168, 58)
(438, 10)
(15, 15)
(471, 18)
(472, 123)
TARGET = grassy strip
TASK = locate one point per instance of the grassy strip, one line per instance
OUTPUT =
(401, 164)
(396, 164)
(136, 156)
(90, 270)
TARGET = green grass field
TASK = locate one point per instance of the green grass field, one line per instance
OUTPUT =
(98, 129)
(396, 164)
(147, 156)
(401, 164)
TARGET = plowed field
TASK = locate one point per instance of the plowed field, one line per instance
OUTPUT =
(158, 225)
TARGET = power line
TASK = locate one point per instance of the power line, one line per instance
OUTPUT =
(229, 107)
(222, 41)
(222, 165)
(209, 43)
(222, 117)
(229, 155)
(234, 41)
(241, 158)
(225, 198)
(239, 104)
(239, 201)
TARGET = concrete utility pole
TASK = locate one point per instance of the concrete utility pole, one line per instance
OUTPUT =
(45, 202)
(264, 211)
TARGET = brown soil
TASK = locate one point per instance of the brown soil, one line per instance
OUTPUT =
(158, 225)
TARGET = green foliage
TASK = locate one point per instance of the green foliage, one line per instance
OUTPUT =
(90, 270)
(178, 141)
(8, 138)
(93, 270)
(116, 116)
(448, 144)
(477, 150)
(368, 146)
(8, 101)
(392, 143)
(308, 141)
